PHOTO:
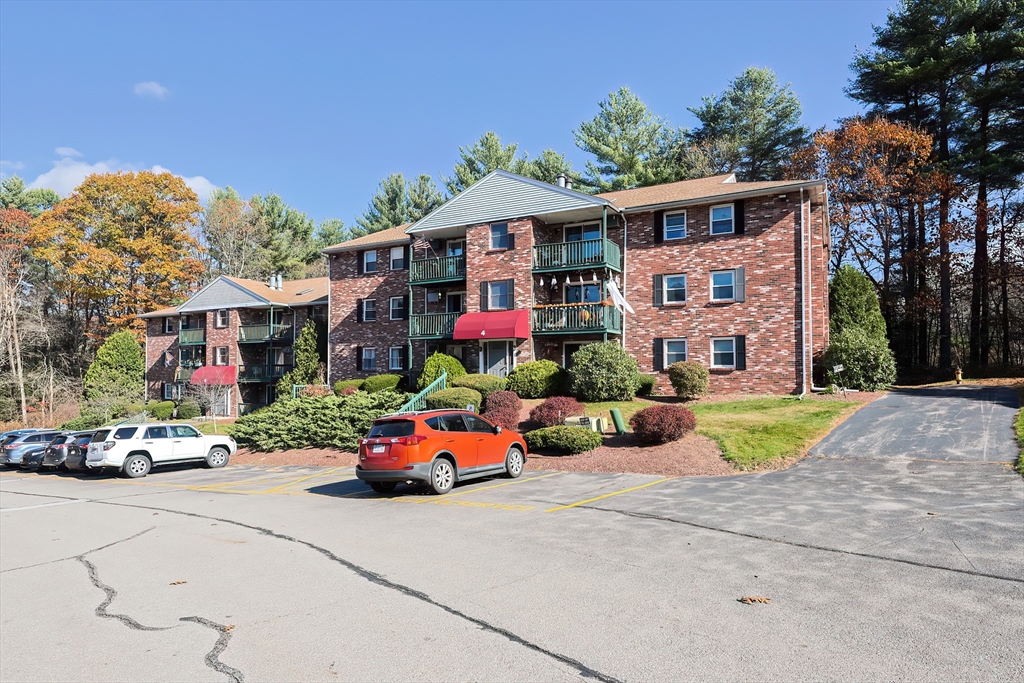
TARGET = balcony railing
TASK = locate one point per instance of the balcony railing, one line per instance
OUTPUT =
(261, 373)
(183, 373)
(432, 270)
(186, 337)
(246, 408)
(576, 318)
(262, 333)
(573, 255)
(432, 325)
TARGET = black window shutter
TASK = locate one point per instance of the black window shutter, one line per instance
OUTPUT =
(406, 257)
(659, 290)
(659, 358)
(738, 216)
(740, 284)
(359, 310)
(359, 358)
(405, 307)
(359, 264)
(511, 293)
(483, 296)
(659, 227)
(741, 352)
(405, 358)
(511, 241)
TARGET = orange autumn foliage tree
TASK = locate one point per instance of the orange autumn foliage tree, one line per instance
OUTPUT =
(122, 244)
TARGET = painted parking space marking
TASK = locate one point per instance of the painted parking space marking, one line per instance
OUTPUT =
(461, 502)
(608, 495)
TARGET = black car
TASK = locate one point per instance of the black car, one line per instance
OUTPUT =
(58, 450)
(77, 447)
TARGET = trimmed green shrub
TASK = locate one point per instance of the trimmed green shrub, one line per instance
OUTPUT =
(648, 383)
(485, 384)
(189, 409)
(381, 382)
(317, 422)
(853, 303)
(160, 410)
(867, 361)
(663, 423)
(554, 410)
(456, 397)
(563, 439)
(689, 378)
(537, 379)
(84, 422)
(343, 384)
(604, 372)
(433, 367)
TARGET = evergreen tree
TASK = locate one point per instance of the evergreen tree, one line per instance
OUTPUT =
(308, 368)
(424, 197)
(758, 118)
(853, 303)
(547, 167)
(397, 202)
(331, 231)
(116, 378)
(14, 195)
(485, 155)
(291, 247)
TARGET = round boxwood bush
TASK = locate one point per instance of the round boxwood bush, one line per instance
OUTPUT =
(381, 382)
(554, 410)
(456, 397)
(868, 363)
(647, 385)
(160, 410)
(435, 364)
(537, 379)
(189, 409)
(485, 384)
(604, 372)
(343, 384)
(504, 400)
(563, 439)
(689, 379)
(663, 423)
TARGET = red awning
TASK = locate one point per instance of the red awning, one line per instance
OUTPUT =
(493, 325)
(215, 375)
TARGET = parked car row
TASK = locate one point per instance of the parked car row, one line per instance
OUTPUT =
(129, 449)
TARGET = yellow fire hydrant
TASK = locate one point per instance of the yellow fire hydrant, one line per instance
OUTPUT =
(959, 376)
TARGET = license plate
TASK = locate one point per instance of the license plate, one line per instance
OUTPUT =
(379, 448)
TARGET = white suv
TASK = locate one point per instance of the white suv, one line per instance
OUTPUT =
(135, 449)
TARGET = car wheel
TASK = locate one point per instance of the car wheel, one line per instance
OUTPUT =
(218, 457)
(514, 462)
(442, 476)
(136, 466)
(383, 486)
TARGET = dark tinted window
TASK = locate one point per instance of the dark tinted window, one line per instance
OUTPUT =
(435, 423)
(453, 423)
(59, 440)
(9, 438)
(82, 440)
(156, 433)
(393, 428)
(100, 436)
(125, 432)
(477, 424)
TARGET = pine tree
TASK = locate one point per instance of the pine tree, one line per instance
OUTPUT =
(485, 155)
(397, 202)
(307, 368)
(116, 378)
(424, 197)
(853, 303)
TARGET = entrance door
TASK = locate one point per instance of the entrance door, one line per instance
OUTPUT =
(568, 350)
(497, 358)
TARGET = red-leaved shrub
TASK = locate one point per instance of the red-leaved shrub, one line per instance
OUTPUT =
(504, 400)
(554, 410)
(348, 391)
(663, 423)
(504, 417)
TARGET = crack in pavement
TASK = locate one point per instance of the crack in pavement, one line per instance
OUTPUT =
(94, 577)
(212, 658)
(807, 546)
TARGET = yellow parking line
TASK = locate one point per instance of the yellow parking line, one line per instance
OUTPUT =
(495, 486)
(266, 479)
(302, 479)
(607, 495)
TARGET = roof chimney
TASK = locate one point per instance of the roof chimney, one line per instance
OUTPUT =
(568, 183)
(280, 282)
(561, 180)
(270, 282)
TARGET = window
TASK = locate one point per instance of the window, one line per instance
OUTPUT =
(499, 236)
(168, 325)
(370, 261)
(169, 391)
(455, 302)
(156, 433)
(456, 247)
(397, 258)
(723, 352)
(221, 357)
(395, 358)
(722, 220)
(675, 351)
(125, 432)
(369, 359)
(397, 307)
(453, 423)
(369, 310)
(222, 318)
(582, 294)
(675, 225)
(579, 233)
(184, 431)
(477, 424)
(392, 428)
(185, 323)
(497, 295)
(675, 289)
(723, 285)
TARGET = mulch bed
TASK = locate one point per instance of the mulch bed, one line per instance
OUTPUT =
(308, 457)
(691, 456)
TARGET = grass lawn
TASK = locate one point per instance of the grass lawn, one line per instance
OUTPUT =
(206, 426)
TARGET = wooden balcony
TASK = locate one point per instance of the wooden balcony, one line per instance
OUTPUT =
(430, 271)
(432, 325)
(576, 318)
(263, 333)
(261, 373)
(191, 337)
(576, 255)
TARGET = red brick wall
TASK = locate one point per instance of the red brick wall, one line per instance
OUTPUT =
(157, 342)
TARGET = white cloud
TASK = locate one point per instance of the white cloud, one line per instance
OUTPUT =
(67, 152)
(200, 185)
(67, 174)
(151, 89)
(13, 165)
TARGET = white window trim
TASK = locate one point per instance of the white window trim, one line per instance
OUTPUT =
(362, 361)
(168, 388)
(463, 294)
(216, 318)
(711, 221)
(723, 367)
(664, 349)
(391, 366)
(168, 325)
(366, 260)
(490, 236)
(565, 228)
(490, 297)
(664, 289)
(448, 243)
(711, 283)
(401, 257)
(216, 355)
(664, 225)
(374, 311)
(391, 307)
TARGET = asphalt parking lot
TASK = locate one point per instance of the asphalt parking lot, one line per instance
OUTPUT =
(893, 565)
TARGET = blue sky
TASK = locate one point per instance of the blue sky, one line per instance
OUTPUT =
(319, 101)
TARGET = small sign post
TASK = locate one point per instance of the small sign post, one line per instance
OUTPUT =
(838, 369)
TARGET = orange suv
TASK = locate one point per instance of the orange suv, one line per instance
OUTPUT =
(437, 448)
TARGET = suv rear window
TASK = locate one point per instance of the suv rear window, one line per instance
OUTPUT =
(125, 432)
(59, 440)
(100, 436)
(393, 428)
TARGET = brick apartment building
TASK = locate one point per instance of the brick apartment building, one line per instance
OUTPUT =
(234, 332)
(732, 275)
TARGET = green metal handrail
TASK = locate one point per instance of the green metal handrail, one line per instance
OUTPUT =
(261, 373)
(192, 336)
(432, 324)
(578, 254)
(437, 269)
(258, 333)
(419, 401)
(577, 318)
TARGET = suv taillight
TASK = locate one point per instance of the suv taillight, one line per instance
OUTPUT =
(107, 445)
(411, 440)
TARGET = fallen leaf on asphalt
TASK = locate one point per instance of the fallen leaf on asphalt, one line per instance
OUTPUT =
(751, 599)
(229, 627)
(178, 583)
